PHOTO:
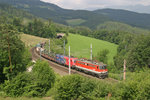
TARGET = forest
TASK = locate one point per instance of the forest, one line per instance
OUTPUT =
(15, 58)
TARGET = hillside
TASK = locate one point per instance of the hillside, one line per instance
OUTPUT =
(80, 46)
(57, 14)
(31, 40)
(128, 17)
(8, 13)
(117, 26)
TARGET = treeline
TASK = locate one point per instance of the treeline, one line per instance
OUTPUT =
(8, 13)
(35, 27)
(111, 26)
(26, 22)
(39, 28)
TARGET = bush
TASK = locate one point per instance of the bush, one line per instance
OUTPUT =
(134, 88)
(73, 87)
(2, 93)
(43, 76)
(36, 83)
(101, 90)
(115, 76)
(16, 86)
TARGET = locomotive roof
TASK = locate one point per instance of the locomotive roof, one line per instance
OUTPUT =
(92, 62)
(65, 56)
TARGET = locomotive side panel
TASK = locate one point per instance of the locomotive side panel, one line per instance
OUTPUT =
(71, 61)
(91, 69)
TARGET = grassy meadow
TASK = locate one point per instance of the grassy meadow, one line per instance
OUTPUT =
(31, 40)
(80, 46)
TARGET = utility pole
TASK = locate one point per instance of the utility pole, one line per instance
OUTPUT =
(49, 46)
(124, 70)
(64, 47)
(91, 52)
(40, 49)
(69, 61)
(40, 53)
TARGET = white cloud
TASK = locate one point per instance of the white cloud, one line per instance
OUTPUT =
(85, 4)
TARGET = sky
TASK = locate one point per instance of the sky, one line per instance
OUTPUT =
(142, 6)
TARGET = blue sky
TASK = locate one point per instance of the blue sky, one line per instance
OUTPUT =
(133, 5)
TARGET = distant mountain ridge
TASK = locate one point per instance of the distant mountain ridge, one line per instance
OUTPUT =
(116, 26)
(90, 19)
(128, 17)
(57, 14)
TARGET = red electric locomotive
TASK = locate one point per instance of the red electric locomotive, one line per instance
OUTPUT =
(95, 68)
(72, 59)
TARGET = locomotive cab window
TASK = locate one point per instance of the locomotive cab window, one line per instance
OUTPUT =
(100, 67)
(104, 67)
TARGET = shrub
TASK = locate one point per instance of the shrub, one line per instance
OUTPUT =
(16, 86)
(36, 83)
(73, 87)
(43, 74)
(101, 90)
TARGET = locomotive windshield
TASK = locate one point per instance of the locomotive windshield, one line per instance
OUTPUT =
(102, 67)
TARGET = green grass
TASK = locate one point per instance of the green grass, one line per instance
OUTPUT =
(75, 21)
(80, 46)
(31, 40)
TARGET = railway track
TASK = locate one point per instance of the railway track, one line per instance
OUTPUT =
(60, 69)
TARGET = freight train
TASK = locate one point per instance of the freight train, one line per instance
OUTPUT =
(94, 68)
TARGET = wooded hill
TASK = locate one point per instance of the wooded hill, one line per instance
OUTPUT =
(81, 17)
(117, 26)
(8, 13)
(57, 14)
(128, 17)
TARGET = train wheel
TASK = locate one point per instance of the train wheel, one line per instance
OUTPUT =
(99, 76)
